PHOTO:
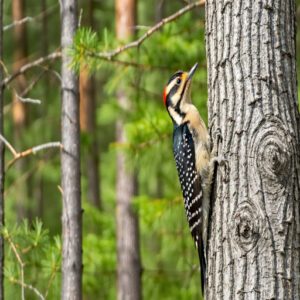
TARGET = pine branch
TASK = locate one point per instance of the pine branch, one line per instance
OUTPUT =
(22, 265)
(20, 261)
(137, 43)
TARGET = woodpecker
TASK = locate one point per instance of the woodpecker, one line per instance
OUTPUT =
(192, 153)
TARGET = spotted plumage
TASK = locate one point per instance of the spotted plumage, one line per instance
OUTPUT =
(192, 156)
(190, 180)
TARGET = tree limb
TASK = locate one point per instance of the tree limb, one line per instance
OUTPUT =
(28, 19)
(26, 67)
(32, 150)
(109, 55)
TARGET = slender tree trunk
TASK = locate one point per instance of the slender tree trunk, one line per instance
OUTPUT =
(254, 250)
(2, 173)
(88, 126)
(18, 107)
(128, 252)
(39, 181)
(88, 123)
(70, 162)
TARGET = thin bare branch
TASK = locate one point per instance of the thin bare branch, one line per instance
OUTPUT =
(33, 83)
(28, 100)
(8, 145)
(35, 63)
(17, 23)
(111, 54)
(30, 287)
(46, 146)
(31, 19)
(33, 150)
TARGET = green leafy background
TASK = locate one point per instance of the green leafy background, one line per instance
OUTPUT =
(169, 259)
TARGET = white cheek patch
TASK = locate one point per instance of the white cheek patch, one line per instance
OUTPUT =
(175, 98)
(170, 86)
(176, 117)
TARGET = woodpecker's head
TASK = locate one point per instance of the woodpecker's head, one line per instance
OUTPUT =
(177, 94)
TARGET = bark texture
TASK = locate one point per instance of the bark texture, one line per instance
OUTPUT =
(70, 162)
(2, 173)
(255, 227)
(128, 252)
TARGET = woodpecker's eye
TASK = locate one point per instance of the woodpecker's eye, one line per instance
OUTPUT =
(178, 81)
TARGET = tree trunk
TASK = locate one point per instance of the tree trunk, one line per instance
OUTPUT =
(2, 173)
(44, 45)
(88, 124)
(128, 252)
(18, 107)
(254, 238)
(70, 161)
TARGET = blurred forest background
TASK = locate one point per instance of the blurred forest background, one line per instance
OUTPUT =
(32, 193)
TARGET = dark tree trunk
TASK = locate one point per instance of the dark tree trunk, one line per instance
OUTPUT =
(254, 240)
(128, 252)
(70, 162)
(88, 122)
(2, 173)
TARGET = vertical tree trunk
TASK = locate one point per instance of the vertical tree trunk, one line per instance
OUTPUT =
(70, 161)
(255, 226)
(39, 185)
(2, 173)
(128, 252)
(18, 107)
(88, 123)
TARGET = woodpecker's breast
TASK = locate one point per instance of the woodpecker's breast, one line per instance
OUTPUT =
(184, 154)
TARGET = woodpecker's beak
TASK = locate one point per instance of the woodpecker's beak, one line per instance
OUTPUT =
(192, 71)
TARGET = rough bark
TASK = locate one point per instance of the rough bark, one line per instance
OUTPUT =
(70, 162)
(19, 112)
(128, 252)
(88, 123)
(2, 173)
(255, 227)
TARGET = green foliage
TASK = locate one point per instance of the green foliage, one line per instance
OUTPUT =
(169, 258)
(99, 257)
(168, 254)
(33, 260)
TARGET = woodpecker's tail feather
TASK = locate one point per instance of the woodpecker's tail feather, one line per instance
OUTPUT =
(200, 248)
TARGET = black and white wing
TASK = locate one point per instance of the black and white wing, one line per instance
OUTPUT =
(190, 180)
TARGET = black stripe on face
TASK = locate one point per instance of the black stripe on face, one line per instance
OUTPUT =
(177, 107)
(177, 74)
(173, 90)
